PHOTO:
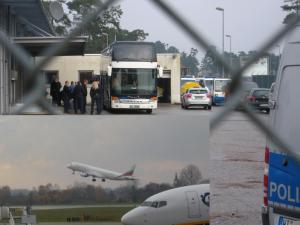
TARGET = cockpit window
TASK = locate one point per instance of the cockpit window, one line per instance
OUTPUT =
(162, 204)
(146, 204)
(154, 204)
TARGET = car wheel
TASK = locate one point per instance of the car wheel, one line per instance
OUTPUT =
(209, 107)
(267, 111)
(182, 106)
(149, 111)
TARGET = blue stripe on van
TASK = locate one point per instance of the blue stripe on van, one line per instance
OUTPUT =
(284, 180)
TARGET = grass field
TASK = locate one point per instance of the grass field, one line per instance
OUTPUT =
(92, 214)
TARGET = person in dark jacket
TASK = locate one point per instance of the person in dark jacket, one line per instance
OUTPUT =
(85, 92)
(95, 97)
(101, 92)
(78, 97)
(55, 91)
(66, 95)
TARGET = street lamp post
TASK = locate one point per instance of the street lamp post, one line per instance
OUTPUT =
(106, 34)
(230, 50)
(223, 34)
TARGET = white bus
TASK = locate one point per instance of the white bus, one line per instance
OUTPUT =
(132, 76)
(217, 88)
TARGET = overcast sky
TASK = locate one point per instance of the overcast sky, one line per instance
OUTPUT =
(35, 150)
(250, 22)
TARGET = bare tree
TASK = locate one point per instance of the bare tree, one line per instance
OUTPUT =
(190, 175)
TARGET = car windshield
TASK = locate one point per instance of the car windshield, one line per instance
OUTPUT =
(133, 82)
(261, 93)
(249, 85)
(198, 91)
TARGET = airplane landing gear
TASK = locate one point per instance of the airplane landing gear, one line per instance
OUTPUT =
(73, 172)
(103, 180)
(94, 179)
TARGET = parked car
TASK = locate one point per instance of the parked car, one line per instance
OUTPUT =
(281, 190)
(258, 99)
(196, 97)
(247, 87)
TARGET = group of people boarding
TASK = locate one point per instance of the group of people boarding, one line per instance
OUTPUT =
(74, 95)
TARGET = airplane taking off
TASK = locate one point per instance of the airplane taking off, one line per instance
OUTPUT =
(188, 205)
(95, 172)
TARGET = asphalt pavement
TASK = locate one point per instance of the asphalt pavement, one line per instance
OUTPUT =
(236, 171)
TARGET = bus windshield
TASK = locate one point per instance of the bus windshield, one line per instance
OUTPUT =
(220, 85)
(143, 52)
(133, 82)
(209, 84)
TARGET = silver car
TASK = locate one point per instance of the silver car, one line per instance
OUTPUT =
(196, 97)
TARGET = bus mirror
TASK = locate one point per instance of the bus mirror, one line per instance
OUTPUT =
(160, 71)
(109, 70)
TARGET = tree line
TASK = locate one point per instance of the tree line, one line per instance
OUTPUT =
(108, 29)
(83, 193)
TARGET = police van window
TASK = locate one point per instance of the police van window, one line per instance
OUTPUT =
(288, 110)
(154, 204)
(146, 204)
(162, 204)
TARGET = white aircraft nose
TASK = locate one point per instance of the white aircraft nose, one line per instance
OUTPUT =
(130, 218)
(69, 165)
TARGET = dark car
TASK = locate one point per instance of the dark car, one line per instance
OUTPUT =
(258, 99)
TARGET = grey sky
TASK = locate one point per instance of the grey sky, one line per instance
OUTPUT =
(249, 22)
(36, 150)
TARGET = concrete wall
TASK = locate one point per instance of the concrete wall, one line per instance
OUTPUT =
(172, 62)
(68, 67)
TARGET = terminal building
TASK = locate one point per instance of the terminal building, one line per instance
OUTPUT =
(89, 66)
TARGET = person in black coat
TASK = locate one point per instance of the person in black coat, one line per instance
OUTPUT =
(78, 97)
(85, 92)
(66, 96)
(95, 97)
(55, 91)
(101, 93)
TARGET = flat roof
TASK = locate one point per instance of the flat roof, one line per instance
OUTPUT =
(36, 45)
(31, 10)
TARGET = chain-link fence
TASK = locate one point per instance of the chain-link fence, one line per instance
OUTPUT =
(36, 95)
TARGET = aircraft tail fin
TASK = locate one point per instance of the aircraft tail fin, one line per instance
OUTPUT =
(129, 172)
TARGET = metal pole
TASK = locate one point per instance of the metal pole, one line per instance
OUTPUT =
(229, 36)
(223, 34)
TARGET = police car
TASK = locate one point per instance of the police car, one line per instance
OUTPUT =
(282, 173)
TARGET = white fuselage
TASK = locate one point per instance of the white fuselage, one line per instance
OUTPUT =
(136, 102)
(95, 172)
(184, 205)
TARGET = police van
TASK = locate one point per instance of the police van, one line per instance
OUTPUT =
(281, 204)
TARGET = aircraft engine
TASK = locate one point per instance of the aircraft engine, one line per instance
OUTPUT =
(84, 175)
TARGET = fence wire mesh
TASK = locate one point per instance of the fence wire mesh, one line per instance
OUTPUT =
(36, 95)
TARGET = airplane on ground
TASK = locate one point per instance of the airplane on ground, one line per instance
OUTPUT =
(95, 172)
(178, 206)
